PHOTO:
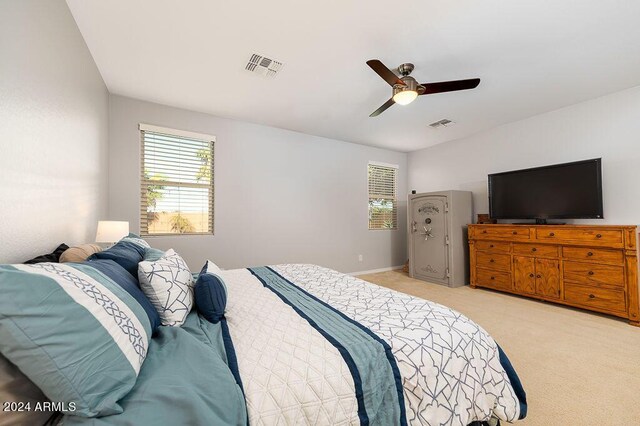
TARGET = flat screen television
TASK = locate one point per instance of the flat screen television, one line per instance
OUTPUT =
(561, 191)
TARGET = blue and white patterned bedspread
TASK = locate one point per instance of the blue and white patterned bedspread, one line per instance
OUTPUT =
(315, 346)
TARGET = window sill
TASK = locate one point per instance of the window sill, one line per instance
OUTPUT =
(177, 235)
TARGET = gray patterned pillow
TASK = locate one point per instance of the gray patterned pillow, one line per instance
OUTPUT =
(168, 284)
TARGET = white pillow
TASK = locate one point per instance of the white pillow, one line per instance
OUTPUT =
(168, 284)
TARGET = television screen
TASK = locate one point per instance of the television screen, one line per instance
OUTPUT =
(561, 191)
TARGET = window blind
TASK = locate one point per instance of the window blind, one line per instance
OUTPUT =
(176, 192)
(383, 203)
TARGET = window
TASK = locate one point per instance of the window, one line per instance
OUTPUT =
(176, 191)
(383, 202)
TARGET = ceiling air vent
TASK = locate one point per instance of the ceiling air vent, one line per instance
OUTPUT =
(262, 65)
(442, 123)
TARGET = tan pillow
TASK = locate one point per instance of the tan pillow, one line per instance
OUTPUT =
(16, 387)
(79, 253)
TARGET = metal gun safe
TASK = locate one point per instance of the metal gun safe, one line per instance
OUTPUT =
(438, 249)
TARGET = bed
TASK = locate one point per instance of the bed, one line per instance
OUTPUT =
(303, 344)
(130, 337)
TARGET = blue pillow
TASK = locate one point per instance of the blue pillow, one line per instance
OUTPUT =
(152, 254)
(211, 296)
(125, 253)
(75, 333)
(119, 276)
(133, 238)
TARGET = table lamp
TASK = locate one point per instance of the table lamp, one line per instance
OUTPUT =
(111, 231)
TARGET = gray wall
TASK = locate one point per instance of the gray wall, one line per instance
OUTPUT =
(606, 127)
(280, 196)
(53, 132)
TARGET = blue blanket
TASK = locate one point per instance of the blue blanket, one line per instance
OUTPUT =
(184, 380)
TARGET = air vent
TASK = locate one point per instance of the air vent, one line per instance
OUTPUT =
(264, 66)
(442, 123)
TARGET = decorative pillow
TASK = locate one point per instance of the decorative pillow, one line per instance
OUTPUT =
(16, 387)
(152, 254)
(136, 239)
(51, 257)
(121, 277)
(168, 284)
(79, 253)
(210, 294)
(125, 253)
(76, 334)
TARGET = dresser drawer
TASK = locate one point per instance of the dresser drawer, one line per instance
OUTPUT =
(593, 255)
(591, 273)
(500, 262)
(503, 232)
(493, 279)
(537, 250)
(605, 236)
(493, 246)
(595, 297)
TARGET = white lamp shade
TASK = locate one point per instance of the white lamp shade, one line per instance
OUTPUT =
(111, 231)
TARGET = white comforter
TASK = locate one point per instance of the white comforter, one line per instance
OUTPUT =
(450, 367)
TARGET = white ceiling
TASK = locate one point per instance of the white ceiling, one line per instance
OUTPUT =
(532, 56)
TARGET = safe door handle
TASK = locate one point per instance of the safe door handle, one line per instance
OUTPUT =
(427, 233)
(414, 226)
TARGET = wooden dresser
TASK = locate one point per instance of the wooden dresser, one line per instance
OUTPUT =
(589, 267)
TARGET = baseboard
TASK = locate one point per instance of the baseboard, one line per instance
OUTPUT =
(374, 271)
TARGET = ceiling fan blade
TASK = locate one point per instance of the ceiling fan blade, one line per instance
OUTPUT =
(384, 72)
(450, 86)
(382, 108)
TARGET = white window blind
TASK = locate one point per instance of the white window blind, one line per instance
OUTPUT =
(176, 192)
(383, 202)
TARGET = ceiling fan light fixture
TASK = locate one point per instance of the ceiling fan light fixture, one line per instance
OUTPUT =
(405, 97)
(406, 93)
(406, 89)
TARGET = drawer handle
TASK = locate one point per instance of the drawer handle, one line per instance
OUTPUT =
(590, 254)
(484, 232)
(590, 272)
(591, 296)
(493, 278)
(552, 234)
(534, 249)
(599, 236)
(538, 276)
(515, 232)
(490, 245)
(491, 260)
(530, 275)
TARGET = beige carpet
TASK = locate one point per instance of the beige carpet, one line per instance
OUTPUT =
(578, 368)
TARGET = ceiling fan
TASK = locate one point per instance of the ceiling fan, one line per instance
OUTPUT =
(406, 89)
